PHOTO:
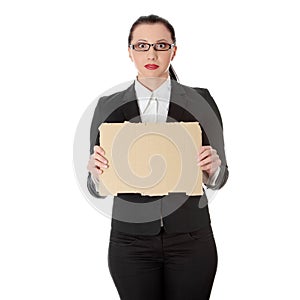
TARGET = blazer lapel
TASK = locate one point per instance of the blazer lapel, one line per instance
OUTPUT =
(178, 102)
(130, 106)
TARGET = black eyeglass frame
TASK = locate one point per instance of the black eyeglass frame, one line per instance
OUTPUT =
(131, 46)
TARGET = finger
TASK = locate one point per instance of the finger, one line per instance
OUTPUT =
(206, 168)
(212, 166)
(100, 165)
(205, 161)
(200, 151)
(204, 148)
(99, 171)
(214, 157)
(99, 150)
(100, 158)
(207, 153)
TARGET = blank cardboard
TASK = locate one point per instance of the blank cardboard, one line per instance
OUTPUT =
(151, 158)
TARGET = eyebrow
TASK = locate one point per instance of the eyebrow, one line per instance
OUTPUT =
(161, 40)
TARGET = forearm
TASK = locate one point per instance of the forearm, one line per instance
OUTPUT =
(218, 180)
(92, 185)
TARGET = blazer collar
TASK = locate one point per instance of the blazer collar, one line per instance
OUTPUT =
(178, 101)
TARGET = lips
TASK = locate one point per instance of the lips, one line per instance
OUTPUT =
(151, 66)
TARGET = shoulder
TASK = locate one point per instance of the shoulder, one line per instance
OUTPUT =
(115, 94)
(207, 96)
(191, 90)
(204, 92)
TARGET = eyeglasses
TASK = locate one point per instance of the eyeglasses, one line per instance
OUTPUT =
(141, 46)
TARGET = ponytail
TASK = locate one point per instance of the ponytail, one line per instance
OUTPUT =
(172, 73)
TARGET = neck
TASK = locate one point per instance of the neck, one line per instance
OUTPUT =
(151, 83)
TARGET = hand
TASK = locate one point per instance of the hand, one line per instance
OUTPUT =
(208, 159)
(97, 162)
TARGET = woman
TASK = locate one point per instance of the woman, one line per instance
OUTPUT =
(173, 256)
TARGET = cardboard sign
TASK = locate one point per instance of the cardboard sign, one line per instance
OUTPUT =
(151, 158)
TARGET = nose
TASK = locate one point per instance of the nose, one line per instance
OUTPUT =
(151, 54)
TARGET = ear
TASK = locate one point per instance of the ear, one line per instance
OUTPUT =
(129, 53)
(174, 52)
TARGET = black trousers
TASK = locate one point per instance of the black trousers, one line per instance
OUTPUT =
(177, 266)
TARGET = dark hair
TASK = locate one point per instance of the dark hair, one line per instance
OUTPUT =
(153, 19)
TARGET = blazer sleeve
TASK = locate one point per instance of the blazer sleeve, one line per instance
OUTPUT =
(94, 140)
(224, 173)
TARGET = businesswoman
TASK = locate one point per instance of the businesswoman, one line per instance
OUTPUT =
(172, 256)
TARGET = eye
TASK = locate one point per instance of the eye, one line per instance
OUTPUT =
(141, 45)
(162, 46)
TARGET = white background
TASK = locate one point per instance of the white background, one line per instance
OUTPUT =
(56, 59)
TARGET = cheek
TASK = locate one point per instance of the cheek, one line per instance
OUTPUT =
(168, 59)
(138, 61)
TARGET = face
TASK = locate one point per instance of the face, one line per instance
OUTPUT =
(152, 63)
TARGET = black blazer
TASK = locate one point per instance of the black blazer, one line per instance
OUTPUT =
(187, 213)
